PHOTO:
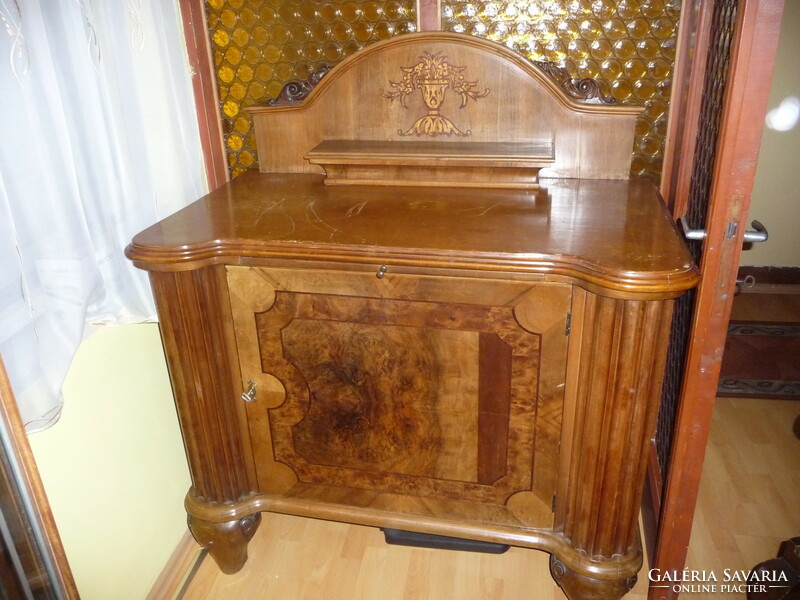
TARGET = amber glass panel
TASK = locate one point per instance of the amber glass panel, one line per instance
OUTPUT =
(628, 46)
(260, 45)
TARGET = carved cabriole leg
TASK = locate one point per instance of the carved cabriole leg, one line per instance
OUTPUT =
(617, 356)
(581, 587)
(194, 316)
(226, 542)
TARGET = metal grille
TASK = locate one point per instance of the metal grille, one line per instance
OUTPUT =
(717, 63)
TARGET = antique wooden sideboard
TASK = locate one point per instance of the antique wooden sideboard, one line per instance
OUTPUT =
(441, 307)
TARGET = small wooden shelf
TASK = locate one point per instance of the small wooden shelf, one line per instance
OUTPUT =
(443, 164)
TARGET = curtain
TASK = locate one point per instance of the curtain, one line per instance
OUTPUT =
(98, 139)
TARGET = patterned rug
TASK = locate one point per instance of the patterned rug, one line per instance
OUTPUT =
(761, 360)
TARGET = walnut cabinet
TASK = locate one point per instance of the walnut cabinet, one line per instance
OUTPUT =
(477, 361)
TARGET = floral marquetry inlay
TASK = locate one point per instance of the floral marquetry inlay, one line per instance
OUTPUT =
(433, 76)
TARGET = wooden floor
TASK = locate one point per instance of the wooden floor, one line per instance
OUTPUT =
(750, 491)
(783, 307)
(749, 502)
(302, 559)
(749, 498)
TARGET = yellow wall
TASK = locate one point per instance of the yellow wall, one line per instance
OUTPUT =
(776, 194)
(113, 466)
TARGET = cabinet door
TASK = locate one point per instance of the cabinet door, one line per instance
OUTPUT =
(431, 395)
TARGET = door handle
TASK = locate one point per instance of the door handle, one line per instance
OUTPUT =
(691, 234)
(759, 233)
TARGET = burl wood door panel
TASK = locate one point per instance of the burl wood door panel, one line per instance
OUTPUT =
(408, 393)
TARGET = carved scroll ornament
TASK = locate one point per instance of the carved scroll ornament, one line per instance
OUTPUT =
(581, 89)
(433, 75)
(295, 92)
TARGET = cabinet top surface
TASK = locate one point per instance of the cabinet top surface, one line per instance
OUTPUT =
(612, 233)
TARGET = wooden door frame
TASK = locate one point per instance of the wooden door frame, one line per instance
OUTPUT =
(206, 93)
(688, 79)
(37, 543)
(752, 60)
(429, 15)
(686, 98)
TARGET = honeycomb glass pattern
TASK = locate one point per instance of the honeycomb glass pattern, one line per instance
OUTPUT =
(628, 46)
(260, 45)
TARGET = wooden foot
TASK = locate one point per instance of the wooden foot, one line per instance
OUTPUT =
(226, 542)
(582, 587)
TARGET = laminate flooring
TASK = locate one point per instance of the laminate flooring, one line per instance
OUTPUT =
(749, 499)
(292, 558)
(749, 502)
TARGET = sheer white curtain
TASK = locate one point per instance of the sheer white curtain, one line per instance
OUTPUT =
(98, 139)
